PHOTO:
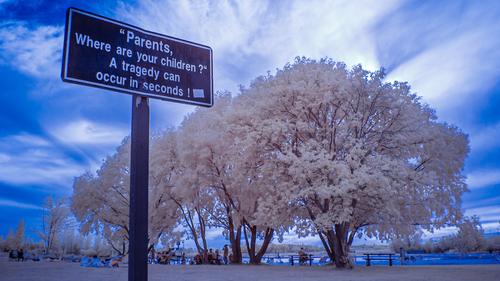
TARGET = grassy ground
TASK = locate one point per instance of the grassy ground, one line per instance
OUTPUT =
(61, 271)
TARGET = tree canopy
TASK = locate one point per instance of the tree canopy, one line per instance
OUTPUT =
(317, 148)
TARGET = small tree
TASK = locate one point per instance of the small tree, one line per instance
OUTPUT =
(408, 242)
(71, 241)
(54, 217)
(18, 241)
(493, 244)
(470, 236)
(10, 241)
(3, 244)
(101, 202)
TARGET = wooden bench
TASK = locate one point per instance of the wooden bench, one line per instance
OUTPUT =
(380, 257)
(309, 259)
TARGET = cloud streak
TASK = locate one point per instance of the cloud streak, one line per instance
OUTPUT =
(485, 139)
(486, 214)
(85, 132)
(252, 37)
(483, 178)
(31, 160)
(19, 205)
(34, 51)
(448, 52)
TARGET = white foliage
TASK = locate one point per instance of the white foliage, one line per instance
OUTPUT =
(101, 202)
(316, 147)
(352, 151)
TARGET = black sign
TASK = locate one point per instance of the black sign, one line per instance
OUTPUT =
(109, 54)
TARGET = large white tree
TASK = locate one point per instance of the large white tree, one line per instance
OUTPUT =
(263, 211)
(204, 156)
(193, 201)
(355, 154)
(228, 174)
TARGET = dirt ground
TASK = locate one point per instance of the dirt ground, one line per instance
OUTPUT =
(62, 271)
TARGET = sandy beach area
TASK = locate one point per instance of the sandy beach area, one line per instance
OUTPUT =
(62, 271)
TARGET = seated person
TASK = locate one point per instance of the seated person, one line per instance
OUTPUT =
(197, 259)
(217, 257)
(13, 255)
(162, 258)
(183, 258)
(302, 256)
(211, 257)
(116, 262)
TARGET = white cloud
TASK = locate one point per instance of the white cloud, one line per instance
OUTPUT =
(251, 37)
(448, 74)
(28, 139)
(483, 178)
(40, 167)
(487, 214)
(33, 160)
(36, 52)
(85, 132)
(447, 231)
(214, 233)
(485, 139)
(16, 204)
(4, 158)
(292, 238)
(491, 227)
(458, 59)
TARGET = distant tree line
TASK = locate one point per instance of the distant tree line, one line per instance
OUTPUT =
(469, 238)
(55, 237)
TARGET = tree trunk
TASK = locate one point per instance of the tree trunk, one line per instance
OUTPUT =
(203, 238)
(337, 241)
(235, 240)
(326, 245)
(120, 252)
(188, 219)
(268, 236)
(256, 257)
(123, 253)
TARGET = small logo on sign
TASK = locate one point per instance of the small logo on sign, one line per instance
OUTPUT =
(198, 93)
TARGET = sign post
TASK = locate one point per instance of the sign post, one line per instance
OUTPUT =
(139, 171)
(108, 54)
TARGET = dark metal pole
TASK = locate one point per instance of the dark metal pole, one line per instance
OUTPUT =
(139, 170)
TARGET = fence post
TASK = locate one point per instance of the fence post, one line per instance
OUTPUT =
(390, 259)
(310, 260)
(401, 256)
(368, 260)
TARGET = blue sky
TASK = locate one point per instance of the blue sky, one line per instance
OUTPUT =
(50, 132)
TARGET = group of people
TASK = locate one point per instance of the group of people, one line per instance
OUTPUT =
(209, 257)
(165, 257)
(16, 255)
(213, 257)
